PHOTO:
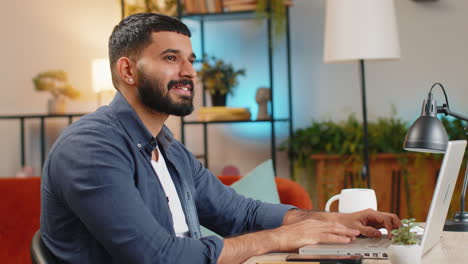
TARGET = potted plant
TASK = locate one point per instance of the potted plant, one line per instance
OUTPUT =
(219, 79)
(276, 9)
(405, 248)
(55, 82)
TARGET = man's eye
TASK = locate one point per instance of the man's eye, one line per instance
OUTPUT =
(171, 58)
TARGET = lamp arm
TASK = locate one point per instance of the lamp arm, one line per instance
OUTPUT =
(445, 110)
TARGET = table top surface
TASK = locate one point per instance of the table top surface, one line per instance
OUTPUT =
(452, 248)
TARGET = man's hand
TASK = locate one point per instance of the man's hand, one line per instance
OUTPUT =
(307, 232)
(368, 221)
(302, 228)
(284, 238)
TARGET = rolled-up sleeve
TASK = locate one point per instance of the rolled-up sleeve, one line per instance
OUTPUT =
(95, 179)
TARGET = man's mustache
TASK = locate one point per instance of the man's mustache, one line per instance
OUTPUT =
(173, 83)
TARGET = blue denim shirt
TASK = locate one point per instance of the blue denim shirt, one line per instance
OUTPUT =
(103, 203)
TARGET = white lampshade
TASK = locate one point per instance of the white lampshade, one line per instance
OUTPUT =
(360, 29)
(102, 80)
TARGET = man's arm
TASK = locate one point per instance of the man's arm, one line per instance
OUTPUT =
(302, 228)
(284, 238)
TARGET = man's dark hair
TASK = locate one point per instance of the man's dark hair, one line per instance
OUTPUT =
(133, 33)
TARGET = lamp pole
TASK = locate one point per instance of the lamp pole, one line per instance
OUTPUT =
(365, 168)
(361, 30)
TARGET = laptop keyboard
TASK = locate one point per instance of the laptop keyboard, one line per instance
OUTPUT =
(377, 242)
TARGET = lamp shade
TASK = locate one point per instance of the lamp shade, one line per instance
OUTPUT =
(360, 29)
(102, 80)
(427, 134)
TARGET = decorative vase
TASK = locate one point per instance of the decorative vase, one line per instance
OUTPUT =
(405, 254)
(218, 99)
(57, 105)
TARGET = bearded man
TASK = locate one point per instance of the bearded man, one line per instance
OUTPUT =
(117, 187)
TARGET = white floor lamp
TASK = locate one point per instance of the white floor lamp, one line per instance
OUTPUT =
(359, 30)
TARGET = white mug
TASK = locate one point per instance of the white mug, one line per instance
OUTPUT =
(353, 200)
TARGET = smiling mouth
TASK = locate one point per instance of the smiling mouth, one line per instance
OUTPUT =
(183, 87)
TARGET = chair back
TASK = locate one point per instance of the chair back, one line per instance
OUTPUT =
(40, 254)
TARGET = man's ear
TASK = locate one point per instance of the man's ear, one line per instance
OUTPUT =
(126, 69)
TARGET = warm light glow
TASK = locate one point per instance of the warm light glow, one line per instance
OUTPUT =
(101, 74)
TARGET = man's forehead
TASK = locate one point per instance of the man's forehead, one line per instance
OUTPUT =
(168, 39)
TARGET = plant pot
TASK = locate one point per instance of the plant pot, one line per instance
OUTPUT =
(405, 254)
(218, 99)
(57, 105)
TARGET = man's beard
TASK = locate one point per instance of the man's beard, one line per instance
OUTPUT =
(151, 95)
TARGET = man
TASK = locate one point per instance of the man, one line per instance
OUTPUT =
(118, 188)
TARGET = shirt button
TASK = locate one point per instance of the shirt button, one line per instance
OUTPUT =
(139, 145)
(153, 142)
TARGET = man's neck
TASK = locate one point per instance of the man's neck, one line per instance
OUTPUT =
(153, 121)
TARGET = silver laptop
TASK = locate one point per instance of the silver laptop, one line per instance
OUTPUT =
(377, 247)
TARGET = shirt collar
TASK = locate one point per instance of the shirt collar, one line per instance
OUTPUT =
(135, 128)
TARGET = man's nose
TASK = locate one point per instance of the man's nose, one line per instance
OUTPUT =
(187, 70)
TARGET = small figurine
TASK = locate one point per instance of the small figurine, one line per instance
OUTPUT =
(262, 97)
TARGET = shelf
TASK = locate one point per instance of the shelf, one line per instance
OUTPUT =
(25, 116)
(239, 15)
(22, 118)
(201, 19)
(236, 121)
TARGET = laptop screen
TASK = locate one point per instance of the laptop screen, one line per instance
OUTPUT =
(443, 193)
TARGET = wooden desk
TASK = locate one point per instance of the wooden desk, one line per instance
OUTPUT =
(452, 249)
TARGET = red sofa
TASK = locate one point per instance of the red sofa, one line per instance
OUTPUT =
(20, 205)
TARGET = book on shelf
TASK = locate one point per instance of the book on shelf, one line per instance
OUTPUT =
(222, 113)
(210, 6)
(189, 6)
(244, 5)
(241, 7)
(203, 6)
(214, 6)
(218, 5)
(233, 2)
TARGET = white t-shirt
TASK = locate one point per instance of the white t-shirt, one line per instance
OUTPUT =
(178, 216)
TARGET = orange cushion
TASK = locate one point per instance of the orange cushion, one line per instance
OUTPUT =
(290, 192)
(20, 206)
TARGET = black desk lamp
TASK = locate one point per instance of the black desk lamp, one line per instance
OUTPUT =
(427, 134)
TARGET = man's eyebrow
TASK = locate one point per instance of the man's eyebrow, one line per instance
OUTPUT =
(170, 51)
(175, 51)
